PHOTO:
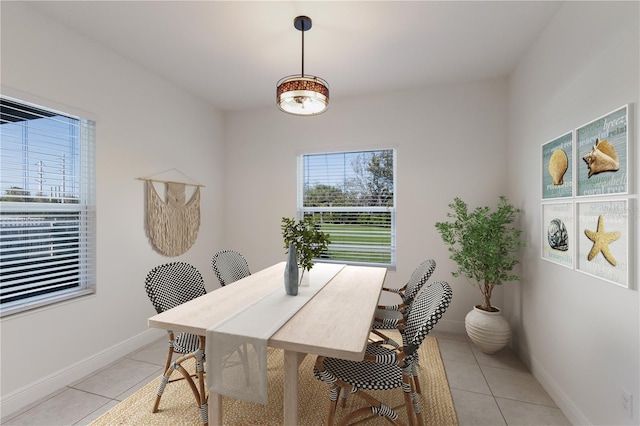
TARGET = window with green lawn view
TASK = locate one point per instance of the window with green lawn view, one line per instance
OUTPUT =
(47, 206)
(351, 196)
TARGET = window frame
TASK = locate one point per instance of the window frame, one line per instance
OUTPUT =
(82, 212)
(301, 210)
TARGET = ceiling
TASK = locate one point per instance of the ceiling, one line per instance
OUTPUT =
(232, 53)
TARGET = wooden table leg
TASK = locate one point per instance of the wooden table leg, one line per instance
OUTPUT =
(292, 361)
(215, 409)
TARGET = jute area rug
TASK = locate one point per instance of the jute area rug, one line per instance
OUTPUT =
(178, 406)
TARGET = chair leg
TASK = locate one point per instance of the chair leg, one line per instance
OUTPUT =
(163, 384)
(177, 365)
(414, 373)
(375, 408)
(343, 397)
(169, 356)
(204, 406)
(408, 400)
(366, 411)
(333, 389)
(167, 364)
(167, 373)
(418, 412)
(337, 387)
(412, 400)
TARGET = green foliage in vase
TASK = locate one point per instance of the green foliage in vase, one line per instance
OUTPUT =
(483, 243)
(309, 241)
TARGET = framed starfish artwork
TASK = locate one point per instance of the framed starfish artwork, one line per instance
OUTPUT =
(558, 241)
(604, 240)
(602, 155)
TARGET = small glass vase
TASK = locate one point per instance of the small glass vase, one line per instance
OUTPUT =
(304, 277)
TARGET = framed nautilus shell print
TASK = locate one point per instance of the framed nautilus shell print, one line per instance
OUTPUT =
(602, 155)
(558, 241)
(557, 167)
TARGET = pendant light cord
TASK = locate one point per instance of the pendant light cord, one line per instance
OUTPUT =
(303, 28)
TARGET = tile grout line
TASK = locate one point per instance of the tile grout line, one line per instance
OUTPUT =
(489, 386)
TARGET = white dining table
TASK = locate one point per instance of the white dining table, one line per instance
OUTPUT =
(335, 322)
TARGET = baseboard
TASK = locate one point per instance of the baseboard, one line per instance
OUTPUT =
(10, 404)
(555, 391)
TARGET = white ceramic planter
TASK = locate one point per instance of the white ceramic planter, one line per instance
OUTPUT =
(489, 331)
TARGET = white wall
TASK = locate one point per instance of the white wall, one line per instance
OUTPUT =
(578, 333)
(450, 141)
(144, 126)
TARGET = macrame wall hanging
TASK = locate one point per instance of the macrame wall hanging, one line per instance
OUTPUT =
(172, 225)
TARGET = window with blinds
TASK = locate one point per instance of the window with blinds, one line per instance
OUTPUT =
(351, 196)
(47, 206)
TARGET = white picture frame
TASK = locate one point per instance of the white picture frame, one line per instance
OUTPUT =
(558, 233)
(557, 167)
(604, 238)
(602, 155)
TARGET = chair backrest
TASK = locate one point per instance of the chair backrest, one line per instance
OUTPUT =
(428, 307)
(229, 266)
(419, 276)
(173, 284)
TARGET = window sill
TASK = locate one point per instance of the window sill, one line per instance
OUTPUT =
(15, 309)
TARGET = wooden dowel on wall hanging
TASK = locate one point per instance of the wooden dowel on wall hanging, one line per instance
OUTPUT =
(174, 181)
(170, 181)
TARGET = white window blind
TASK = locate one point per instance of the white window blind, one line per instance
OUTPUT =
(351, 196)
(47, 206)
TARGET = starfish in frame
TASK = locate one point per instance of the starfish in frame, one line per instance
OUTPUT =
(601, 241)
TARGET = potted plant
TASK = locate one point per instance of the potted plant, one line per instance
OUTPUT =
(303, 241)
(483, 243)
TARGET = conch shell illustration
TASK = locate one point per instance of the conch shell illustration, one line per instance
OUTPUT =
(558, 164)
(602, 158)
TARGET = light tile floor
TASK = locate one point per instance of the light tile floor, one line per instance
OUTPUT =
(487, 389)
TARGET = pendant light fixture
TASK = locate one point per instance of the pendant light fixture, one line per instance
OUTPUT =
(302, 94)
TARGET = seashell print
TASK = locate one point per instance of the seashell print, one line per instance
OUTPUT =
(602, 158)
(557, 235)
(558, 164)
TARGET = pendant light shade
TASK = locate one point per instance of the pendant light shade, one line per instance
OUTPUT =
(302, 94)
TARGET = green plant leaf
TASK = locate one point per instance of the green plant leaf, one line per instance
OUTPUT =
(309, 241)
(483, 243)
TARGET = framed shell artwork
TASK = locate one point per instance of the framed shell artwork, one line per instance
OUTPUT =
(558, 244)
(588, 200)
(604, 232)
(557, 167)
(602, 155)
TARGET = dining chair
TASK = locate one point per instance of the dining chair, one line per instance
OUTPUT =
(387, 317)
(168, 286)
(385, 367)
(229, 266)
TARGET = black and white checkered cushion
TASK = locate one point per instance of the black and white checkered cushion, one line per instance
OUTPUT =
(386, 319)
(366, 375)
(173, 284)
(229, 266)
